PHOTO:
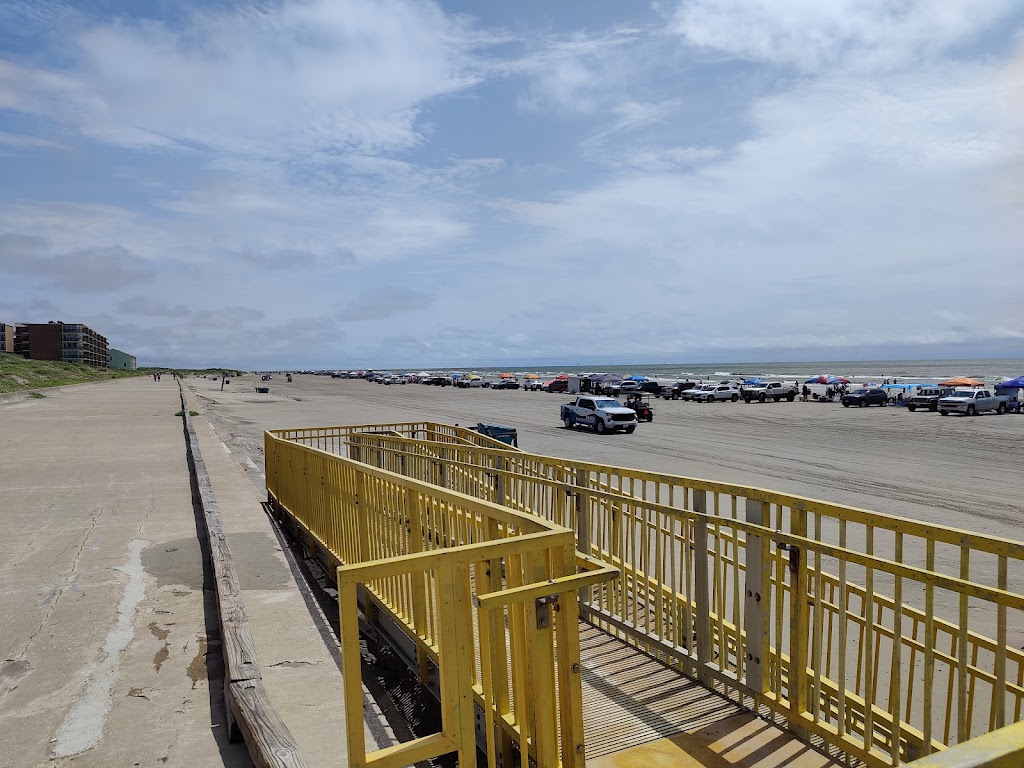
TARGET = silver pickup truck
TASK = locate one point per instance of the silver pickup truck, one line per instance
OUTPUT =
(770, 390)
(602, 414)
(971, 402)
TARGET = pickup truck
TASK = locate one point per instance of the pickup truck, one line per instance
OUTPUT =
(927, 398)
(602, 414)
(772, 390)
(971, 402)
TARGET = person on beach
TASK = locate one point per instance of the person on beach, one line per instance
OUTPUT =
(806, 392)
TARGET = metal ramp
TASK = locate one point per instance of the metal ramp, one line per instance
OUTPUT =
(728, 625)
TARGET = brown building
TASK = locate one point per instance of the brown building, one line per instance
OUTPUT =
(57, 340)
(6, 338)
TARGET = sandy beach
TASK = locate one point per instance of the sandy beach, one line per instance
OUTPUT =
(959, 472)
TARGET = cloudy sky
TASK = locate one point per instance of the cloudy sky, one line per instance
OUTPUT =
(347, 183)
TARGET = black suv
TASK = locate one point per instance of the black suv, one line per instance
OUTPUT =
(865, 397)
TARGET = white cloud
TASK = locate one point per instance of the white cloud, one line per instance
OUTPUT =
(279, 80)
(812, 35)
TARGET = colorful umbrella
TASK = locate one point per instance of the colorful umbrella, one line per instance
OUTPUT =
(823, 379)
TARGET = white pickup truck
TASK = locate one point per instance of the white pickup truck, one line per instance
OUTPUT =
(770, 390)
(602, 414)
(971, 402)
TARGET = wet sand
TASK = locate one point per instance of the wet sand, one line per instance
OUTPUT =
(954, 471)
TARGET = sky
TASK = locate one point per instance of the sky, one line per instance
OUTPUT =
(403, 183)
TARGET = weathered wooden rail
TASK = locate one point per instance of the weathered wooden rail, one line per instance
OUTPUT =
(250, 714)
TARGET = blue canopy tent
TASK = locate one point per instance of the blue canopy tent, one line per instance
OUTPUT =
(1017, 383)
(638, 377)
(755, 380)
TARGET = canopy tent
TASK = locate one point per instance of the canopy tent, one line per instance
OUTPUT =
(507, 376)
(754, 380)
(962, 381)
(532, 376)
(1012, 383)
(823, 379)
(473, 377)
(638, 377)
(605, 378)
(903, 387)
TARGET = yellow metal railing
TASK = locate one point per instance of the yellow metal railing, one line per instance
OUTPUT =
(904, 638)
(488, 594)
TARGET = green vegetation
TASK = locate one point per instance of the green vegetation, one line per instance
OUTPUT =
(17, 373)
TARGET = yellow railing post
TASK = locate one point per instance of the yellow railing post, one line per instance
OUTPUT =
(799, 623)
(755, 615)
(702, 599)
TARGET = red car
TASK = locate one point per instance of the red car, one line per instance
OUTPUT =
(556, 385)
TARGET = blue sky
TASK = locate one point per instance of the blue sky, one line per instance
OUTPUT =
(345, 183)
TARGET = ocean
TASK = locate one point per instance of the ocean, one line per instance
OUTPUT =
(991, 371)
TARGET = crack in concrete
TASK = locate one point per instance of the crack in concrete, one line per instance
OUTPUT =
(59, 588)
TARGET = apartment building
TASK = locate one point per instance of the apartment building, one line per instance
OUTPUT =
(57, 340)
(7, 338)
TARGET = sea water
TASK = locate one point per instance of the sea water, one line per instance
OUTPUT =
(990, 371)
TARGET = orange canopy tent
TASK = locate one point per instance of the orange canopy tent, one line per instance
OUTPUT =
(962, 381)
(507, 376)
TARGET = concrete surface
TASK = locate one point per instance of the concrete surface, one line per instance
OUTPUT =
(107, 631)
(298, 649)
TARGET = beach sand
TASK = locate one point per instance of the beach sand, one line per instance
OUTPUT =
(952, 471)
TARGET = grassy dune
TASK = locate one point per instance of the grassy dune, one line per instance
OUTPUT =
(17, 373)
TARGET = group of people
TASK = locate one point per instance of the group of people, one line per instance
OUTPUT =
(831, 393)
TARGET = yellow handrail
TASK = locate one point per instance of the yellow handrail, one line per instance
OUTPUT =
(452, 571)
(886, 637)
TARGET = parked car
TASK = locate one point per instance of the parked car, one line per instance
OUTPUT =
(927, 398)
(628, 386)
(556, 385)
(533, 385)
(693, 392)
(675, 391)
(770, 390)
(971, 402)
(865, 397)
(713, 392)
(505, 384)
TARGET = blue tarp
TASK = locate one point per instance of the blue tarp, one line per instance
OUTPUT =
(754, 381)
(1012, 383)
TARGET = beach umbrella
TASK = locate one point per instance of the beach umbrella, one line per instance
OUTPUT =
(823, 379)
(1012, 383)
(961, 381)
(638, 377)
